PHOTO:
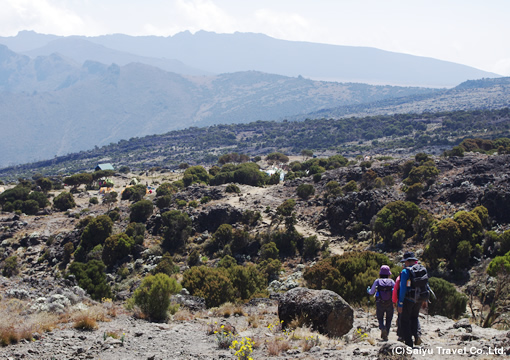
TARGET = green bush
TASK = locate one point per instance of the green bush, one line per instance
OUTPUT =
(96, 231)
(449, 302)
(116, 247)
(270, 268)
(114, 215)
(277, 157)
(195, 174)
(42, 199)
(212, 284)
(205, 200)
(250, 217)
(311, 246)
(274, 179)
(30, 207)
(269, 251)
(92, 278)
(333, 189)
(221, 237)
(164, 201)
(304, 191)
(226, 283)
(165, 189)
(246, 173)
(166, 265)
(351, 186)
(45, 184)
(134, 193)
(64, 201)
(10, 267)
(141, 211)
(499, 265)
(16, 193)
(153, 295)
(397, 215)
(136, 231)
(176, 229)
(232, 188)
(194, 258)
(349, 274)
(68, 252)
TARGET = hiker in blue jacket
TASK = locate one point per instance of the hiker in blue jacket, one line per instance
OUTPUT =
(409, 304)
(383, 288)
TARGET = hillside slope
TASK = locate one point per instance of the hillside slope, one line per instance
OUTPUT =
(60, 107)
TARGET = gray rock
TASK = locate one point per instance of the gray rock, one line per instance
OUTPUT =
(324, 310)
(464, 324)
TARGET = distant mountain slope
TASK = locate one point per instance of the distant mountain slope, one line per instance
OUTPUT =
(225, 53)
(59, 107)
(81, 50)
(473, 94)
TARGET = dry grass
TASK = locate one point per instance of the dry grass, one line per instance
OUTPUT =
(18, 322)
(302, 332)
(253, 321)
(15, 325)
(85, 322)
(299, 321)
(183, 315)
(277, 345)
(226, 310)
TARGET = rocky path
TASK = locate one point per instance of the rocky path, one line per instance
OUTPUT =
(192, 339)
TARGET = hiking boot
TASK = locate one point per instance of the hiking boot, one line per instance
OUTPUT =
(417, 341)
(384, 334)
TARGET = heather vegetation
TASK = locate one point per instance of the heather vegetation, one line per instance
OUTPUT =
(382, 133)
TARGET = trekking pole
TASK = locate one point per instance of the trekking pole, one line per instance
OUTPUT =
(368, 311)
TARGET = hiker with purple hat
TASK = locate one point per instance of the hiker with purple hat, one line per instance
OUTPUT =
(383, 288)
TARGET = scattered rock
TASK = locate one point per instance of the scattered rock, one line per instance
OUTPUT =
(324, 310)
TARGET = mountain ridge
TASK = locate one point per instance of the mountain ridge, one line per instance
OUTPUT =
(222, 53)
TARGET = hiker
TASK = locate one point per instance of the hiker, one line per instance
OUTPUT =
(413, 292)
(383, 288)
(395, 301)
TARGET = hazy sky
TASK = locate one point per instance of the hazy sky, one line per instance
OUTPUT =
(470, 32)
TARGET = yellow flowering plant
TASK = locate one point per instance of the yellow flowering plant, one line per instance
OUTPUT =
(243, 348)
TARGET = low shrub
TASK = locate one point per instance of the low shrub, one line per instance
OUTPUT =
(116, 247)
(153, 295)
(349, 274)
(449, 302)
(140, 211)
(304, 191)
(92, 278)
(10, 267)
(232, 188)
(64, 201)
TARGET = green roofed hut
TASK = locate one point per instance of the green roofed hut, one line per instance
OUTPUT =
(106, 166)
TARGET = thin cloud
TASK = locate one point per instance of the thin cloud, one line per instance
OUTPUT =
(39, 15)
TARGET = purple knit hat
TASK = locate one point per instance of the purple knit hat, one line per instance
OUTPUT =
(385, 270)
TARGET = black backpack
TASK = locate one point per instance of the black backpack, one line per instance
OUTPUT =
(419, 290)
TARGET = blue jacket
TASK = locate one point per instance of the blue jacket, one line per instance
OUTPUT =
(404, 277)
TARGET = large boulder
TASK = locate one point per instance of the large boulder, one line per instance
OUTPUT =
(324, 310)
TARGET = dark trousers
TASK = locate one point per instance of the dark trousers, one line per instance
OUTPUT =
(409, 321)
(399, 326)
(384, 310)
